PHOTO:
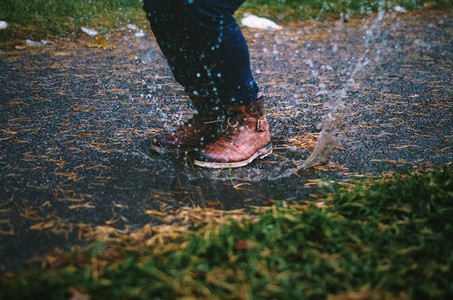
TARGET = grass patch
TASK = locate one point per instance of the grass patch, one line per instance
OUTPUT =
(42, 18)
(373, 239)
(295, 10)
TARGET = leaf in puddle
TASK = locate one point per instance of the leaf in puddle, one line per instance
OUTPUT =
(156, 213)
(43, 225)
(84, 205)
(101, 44)
(239, 186)
(306, 141)
(213, 204)
(6, 227)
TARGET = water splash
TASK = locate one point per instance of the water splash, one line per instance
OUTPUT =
(325, 145)
(331, 134)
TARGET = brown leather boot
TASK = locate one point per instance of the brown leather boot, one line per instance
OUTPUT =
(246, 138)
(202, 129)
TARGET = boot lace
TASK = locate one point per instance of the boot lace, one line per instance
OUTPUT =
(231, 125)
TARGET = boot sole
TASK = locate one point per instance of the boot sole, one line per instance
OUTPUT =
(262, 153)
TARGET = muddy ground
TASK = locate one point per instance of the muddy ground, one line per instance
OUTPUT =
(76, 118)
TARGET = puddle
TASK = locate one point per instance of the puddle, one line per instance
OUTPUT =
(74, 122)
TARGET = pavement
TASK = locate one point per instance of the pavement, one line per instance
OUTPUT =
(76, 118)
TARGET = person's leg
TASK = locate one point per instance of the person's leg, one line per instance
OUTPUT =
(223, 53)
(165, 17)
(219, 52)
(209, 57)
(168, 23)
(204, 47)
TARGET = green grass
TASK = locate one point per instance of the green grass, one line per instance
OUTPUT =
(378, 238)
(42, 18)
(294, 10)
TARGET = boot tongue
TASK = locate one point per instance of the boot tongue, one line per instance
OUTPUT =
(236, 110)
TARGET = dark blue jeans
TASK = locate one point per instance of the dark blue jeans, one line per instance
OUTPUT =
(204, 47)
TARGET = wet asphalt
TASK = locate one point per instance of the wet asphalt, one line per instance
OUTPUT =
(75, 123)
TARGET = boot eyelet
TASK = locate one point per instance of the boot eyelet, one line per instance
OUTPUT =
(233, 123)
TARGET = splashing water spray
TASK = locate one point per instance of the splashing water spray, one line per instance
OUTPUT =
(331, 136)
